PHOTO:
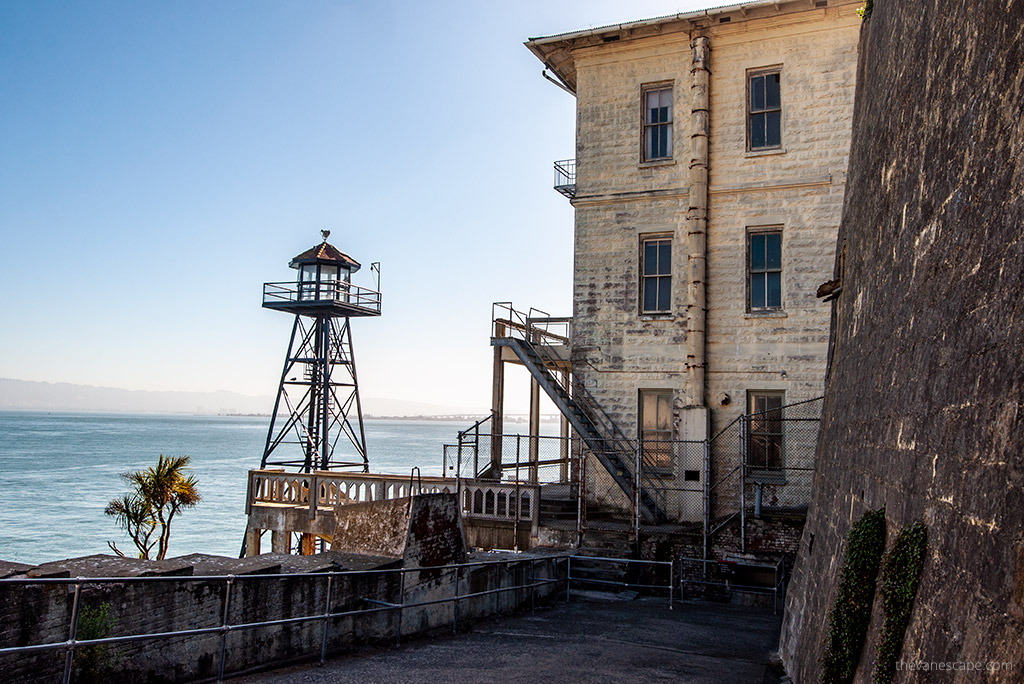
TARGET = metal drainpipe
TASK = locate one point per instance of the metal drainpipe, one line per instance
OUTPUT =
(697, 219)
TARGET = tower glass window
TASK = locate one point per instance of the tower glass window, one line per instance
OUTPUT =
(764, 110)
(656, 275)
(764, 262)
(656, 427)
(657, 123)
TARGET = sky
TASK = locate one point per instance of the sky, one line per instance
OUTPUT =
(160, 161)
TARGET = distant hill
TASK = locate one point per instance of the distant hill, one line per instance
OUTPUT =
(27, 395)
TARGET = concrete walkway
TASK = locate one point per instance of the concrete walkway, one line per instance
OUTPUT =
(584, 641)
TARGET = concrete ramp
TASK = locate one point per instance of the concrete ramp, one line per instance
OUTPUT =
(423, 530)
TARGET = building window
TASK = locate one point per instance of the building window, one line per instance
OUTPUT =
(764, 263)
(657, 106)
(656, 427)
(764, 437)
(764, 110)
(656, 278)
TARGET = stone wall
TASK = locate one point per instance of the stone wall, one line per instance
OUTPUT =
(35, 614)
(923, 411)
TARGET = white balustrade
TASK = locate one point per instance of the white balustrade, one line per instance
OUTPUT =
(483, 499)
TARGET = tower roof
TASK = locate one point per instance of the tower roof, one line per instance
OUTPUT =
(325, 253)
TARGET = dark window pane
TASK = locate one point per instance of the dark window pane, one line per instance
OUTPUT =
(774, 294)
(664, 293)
(757, 93)
(771, 98)
(665, 258)
(757, 252)
(773, 129)
(757, 291)
(650, 294)
(757, 130)
(662, 141)
(773, 250)
(650, 257)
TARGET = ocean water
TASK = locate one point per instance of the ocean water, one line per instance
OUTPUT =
(59, 470)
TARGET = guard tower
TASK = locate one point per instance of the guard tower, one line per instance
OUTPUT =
(318, 397)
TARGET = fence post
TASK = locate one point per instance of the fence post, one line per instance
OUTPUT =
(519, 502)
(224, 627)
(568, 578)
(533, 609)
(401, 609)
(671, 578)
(327, 620)
(455, 604)
(72, 632)
(743, 484)
(636, 492)
(581, 493)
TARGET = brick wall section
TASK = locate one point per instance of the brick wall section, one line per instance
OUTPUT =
(923, 411)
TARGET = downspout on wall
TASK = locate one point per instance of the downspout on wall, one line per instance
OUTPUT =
(697, 221)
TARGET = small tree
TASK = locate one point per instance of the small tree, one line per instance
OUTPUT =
(157, 494)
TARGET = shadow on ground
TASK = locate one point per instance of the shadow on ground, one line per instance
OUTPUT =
(583, 641)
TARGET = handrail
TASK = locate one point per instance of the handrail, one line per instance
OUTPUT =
(326, 616)
(321, 291)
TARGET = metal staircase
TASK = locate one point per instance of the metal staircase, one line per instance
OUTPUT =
(538, 350)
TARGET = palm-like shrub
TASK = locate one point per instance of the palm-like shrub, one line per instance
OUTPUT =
(155, 496)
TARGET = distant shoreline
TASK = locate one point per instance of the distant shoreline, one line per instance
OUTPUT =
(450, 418)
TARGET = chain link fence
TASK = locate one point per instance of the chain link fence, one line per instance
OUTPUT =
(759, 463)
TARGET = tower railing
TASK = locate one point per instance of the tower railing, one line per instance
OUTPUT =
(321, 291)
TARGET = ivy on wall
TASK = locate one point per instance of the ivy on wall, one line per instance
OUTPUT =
(901, 574)
(850, 614)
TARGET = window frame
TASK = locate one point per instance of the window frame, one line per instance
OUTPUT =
(750, 273)
(753, 434)
(645, 126)
(662, 456)
(644, 277)
(751, 74)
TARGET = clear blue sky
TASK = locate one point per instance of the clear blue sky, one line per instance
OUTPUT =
(160, 161)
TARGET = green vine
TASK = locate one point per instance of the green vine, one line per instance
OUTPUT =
(901, 574)
(851, 613)
(865, 12)
(94, 663)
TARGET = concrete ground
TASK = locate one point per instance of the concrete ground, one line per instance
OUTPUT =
(584, 641)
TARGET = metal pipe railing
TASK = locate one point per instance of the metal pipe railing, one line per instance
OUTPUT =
(532, 583)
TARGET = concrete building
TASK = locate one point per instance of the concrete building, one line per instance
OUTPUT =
(711, 154)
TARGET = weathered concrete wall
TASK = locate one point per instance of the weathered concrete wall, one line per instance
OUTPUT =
(435, 534)
(923, 410)
(40, 614)
(423, 530)
(620, 199)
(377, 527)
